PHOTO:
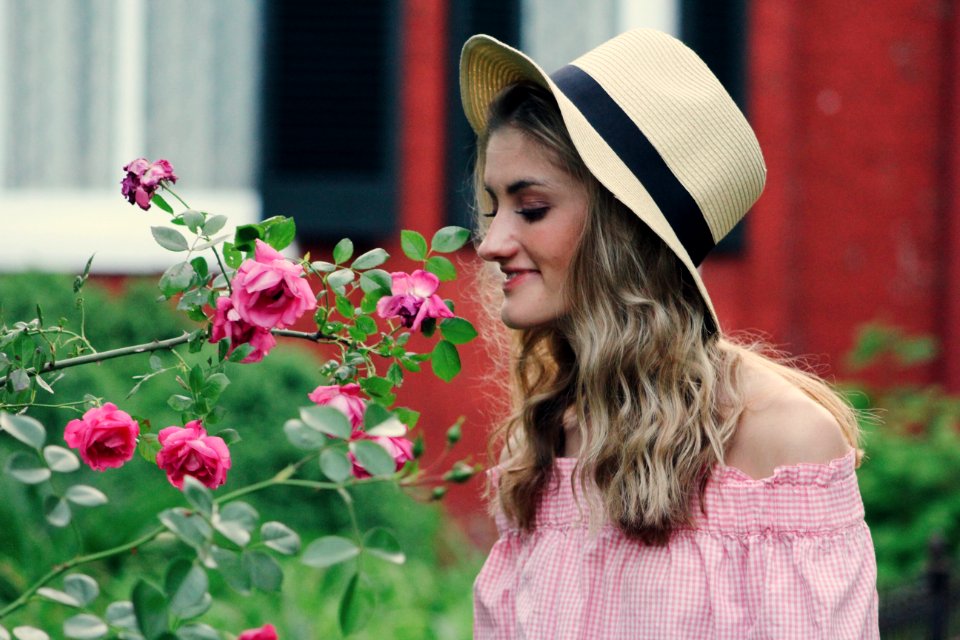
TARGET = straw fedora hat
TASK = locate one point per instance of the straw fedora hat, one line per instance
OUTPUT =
(652, 124)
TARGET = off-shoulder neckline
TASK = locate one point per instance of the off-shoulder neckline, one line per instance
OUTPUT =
(817, 472)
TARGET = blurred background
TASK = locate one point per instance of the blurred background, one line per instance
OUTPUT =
(345, 115)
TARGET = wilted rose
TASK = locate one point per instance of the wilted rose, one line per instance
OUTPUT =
(143, 179)
(414, 299)
(398, 447)
(269, 291)
(227, 323)
(105, 436)
(189, 451)
(266, 632)
(345, 399)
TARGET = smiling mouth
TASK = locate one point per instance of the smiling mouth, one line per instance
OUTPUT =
(513, 277)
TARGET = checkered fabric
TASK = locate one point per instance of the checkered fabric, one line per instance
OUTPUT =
(785, 557)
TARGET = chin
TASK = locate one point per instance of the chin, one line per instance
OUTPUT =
(520, 320)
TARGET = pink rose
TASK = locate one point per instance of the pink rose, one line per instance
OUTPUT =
(143, 179)
(227, 323)
(266, 632)
(269, 291)
(399, 447)
(105, 436)
(414, 299)
(345, 399)
(189, 451)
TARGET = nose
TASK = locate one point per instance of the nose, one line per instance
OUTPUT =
(499, 243)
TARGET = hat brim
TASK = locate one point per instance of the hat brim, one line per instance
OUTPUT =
(488, 66)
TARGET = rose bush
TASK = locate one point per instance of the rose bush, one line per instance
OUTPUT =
(243, 301)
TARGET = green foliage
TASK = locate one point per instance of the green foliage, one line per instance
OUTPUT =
(237, 549)
(910, 478)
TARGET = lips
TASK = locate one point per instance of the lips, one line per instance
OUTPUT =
(517, 276)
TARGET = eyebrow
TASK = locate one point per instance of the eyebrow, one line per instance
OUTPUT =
(519, 185)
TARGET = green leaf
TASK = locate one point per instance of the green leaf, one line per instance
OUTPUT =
(445, 361)
(214, 386)
(180, 402)
(24, 428)
(231, 568)
(449, 239)
(241, 352)
(323, 267)
(326, 419)
(169, 239)
(457, 330)
(176, 278)
(149, 447)
(85, 496)
(371, 259)
(407, 416)
(120, 614)
(442, 268)
(197, 631)
(150, 607)
(280, 538)
(193, 219)
(58, 596)
(338, 280)
(56, 511)
(281, 233)
(265, 572)
(395, 374)
(158, 200)
(202, 269)
(186, 586)
(356, 605)
(246, 236)
(413, 244)
(188, 526)
(214, 224)
(85, 626)
(376, 386)
(376, 280)
(20, 380)
(335, 464)
(60, 459)
(328, 551)
(383, 544)
(344, 306)
(366, 324)
(29, 633)
(343, 251)
(229, 436)
(373, 457)
(236, 521)
(231, 255)
(24, 468)
(82, 587)
(198, 495)
(303, 436)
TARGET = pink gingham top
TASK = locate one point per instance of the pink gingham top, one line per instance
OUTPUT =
(788, 556)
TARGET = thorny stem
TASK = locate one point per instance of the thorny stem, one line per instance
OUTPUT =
(158, 345)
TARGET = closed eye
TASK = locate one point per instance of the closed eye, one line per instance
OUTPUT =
(533, 214)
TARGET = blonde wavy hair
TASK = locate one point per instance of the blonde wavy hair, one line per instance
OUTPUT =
(636, 365)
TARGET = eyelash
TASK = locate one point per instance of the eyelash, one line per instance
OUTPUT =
(530, 215)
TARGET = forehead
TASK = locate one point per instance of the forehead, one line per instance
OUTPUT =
(512, 154)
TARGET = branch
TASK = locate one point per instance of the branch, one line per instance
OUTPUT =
(156, 345)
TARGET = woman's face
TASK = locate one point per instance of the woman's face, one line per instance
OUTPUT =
(537, 212)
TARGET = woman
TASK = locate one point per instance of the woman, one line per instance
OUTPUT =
(656, 480)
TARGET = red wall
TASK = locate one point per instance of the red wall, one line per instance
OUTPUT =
(854, 104)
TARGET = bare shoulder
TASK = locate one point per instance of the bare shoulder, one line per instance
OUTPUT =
(781, 426)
